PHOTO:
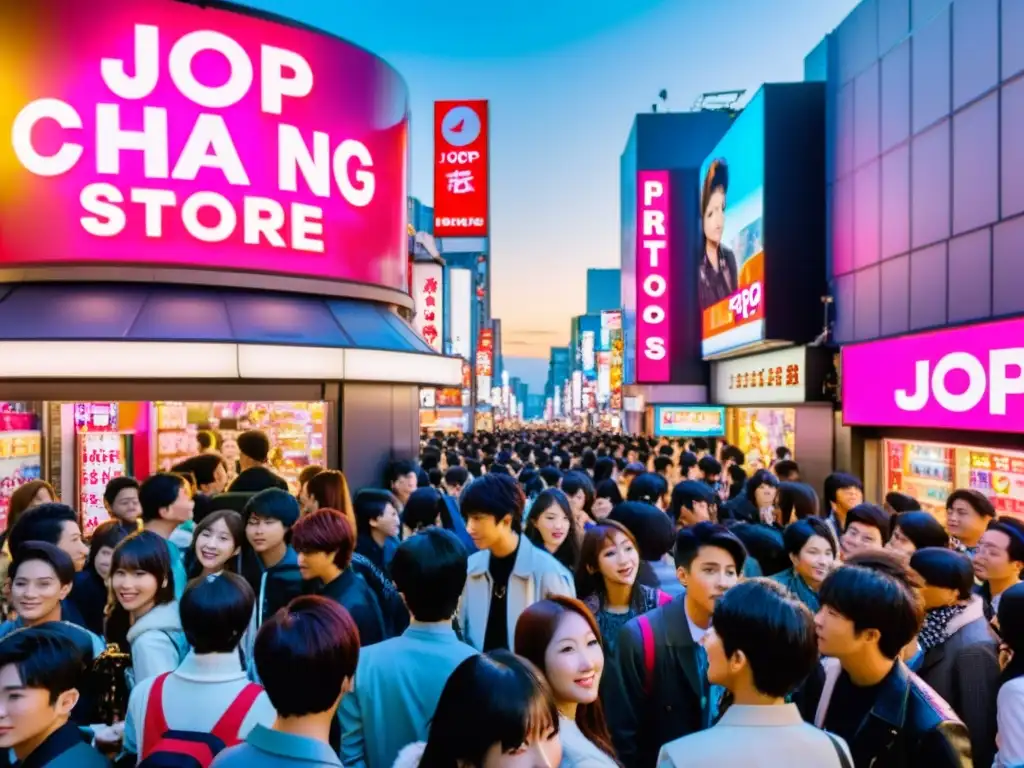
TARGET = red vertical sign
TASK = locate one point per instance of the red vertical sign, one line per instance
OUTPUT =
(460, 169)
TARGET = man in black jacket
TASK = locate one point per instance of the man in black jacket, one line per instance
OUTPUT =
(256, 476)
(864, 693)
(662, 664)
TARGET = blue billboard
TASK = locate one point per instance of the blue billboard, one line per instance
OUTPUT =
(689, 421)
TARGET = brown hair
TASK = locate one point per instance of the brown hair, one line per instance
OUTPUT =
(330, 489)
(22, 497)
(534, 631)
(589, 580)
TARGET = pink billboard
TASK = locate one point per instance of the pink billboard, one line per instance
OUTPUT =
(968, 378)
(158, 133)
(652, 277)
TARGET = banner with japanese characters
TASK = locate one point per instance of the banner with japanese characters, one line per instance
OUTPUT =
(460, 169)
(428, 297)
(101, 457)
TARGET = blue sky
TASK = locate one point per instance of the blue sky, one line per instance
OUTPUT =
(565, 78)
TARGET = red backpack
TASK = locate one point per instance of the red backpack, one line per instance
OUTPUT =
(647, 637)
(164, 748)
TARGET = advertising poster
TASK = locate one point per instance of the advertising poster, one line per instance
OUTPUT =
(101, 456)
(460, 169)
(20, 463)
(460, 312)
(615, 372)
(758, 432)
(428, 300)
(587, 354)
(604, 377)
(730, 280)
(653, 294)
(270, 148)
(689, 421)
(484, 365)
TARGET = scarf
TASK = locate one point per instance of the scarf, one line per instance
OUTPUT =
(933, 632)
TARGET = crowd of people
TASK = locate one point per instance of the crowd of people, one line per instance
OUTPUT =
(511, 600)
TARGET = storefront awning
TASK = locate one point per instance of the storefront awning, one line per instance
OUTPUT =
(127, 331)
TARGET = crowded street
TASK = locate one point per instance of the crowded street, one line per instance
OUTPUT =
(389, 386)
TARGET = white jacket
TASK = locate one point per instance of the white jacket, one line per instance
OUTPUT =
(535, 575)
(158, 643)
(410, 755)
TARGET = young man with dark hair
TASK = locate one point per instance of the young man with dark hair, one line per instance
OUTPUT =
(509, 573)
(398, 682)
(787, 470)
(867, 527)
(662, 664)
(843, 492)
(55, 524)
(121, 498)
(690, 504)
(761, 647)
(256, 476)
(864, 692)
(999, 560)
(41, 673)
(306, 656)
(269, 517)
(167, 503)
(968, 513)
(401, 478)
(664, 466)
(710, 470)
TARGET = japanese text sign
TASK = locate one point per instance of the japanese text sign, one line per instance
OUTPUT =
(428, 297)
(461, 169)
(652, 277)
(100, 458)
(771, 378)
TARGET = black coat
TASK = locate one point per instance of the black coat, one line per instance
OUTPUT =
(256, 479)
(673, 707)
(909, 725)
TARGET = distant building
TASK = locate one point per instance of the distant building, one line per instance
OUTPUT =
(603, 290)
(559, 370)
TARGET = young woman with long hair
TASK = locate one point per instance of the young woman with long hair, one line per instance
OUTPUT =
(551, 525)
(91, 583)
(560, 636)
(496, 711)
(216, 544)
(142, 615)
(606, 580)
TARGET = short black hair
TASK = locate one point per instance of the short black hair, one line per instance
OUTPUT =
(43, 523)
(756, 480)
(457, 476)
(47, 553)
(943, 567)
(734, 454)
(709, 465)
(901, 502)
(116, 485)
(648, 487)
(685, 494)
(921, 528)
(304, 654)
(872, 515)
(157, 492)
(687, 460)
(690, 541)
(663, 463)
(494, 495)
(837, 481)
(398, 469)
(976, 500)
(215, 612)
(46, 658)
(1014, 529)
(370, 504)
(255, 444)
(423, 509)
(429, 570)
(873, 599)
(798, 500)
(775, 632)
(203, 467)
(796, 535)
(785, 468)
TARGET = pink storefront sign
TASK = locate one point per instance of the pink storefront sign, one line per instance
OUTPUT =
(969, 378)
(652, 277)
(157, 133)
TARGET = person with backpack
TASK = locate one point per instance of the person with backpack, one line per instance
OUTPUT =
(306, 655)
(661, 661)
(207, 703)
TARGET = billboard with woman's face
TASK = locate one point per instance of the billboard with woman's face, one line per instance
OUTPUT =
(730, 280)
